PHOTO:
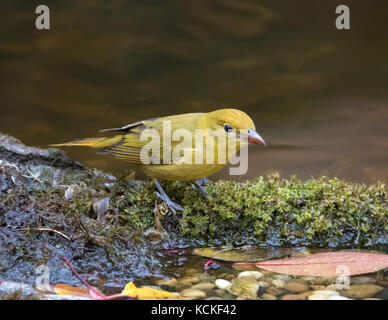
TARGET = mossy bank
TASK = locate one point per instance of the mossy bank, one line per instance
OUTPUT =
(51, 206)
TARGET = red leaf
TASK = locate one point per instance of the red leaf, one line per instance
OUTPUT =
(327, 264)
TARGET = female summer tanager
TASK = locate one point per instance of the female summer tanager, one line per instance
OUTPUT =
(226, 129)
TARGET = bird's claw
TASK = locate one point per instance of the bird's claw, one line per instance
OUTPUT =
(163, 196)
(174, 207)
(199, 184)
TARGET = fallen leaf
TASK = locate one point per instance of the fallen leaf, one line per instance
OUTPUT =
(247, 253)
(147, 293)
(65, 289)
(327, 264)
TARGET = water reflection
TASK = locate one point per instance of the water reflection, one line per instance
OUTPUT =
(318, 95)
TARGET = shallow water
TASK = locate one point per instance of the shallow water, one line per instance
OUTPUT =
(317, 95)
(190, 270)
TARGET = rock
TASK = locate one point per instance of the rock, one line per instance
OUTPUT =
(213, 298)
(382, 283)
(193, 294)
(205, 286)
(263, 284)
(307, 293)
(268, 296)
(284, 277)
(188, 280)
(168, 282)
(327, 292)
(254, 274)
(9, 287)
(230, 277)
(182, 286)
(220, 292)
(362, 280)
(325, 281)
(317, 287)
(223, 284)
(333, 287)
(361, 291)
(295, 286)
(293, 297)
(318, 297)
(245, 287)
(383, 295)
(274, 291)
(228, 296)
(338, 298)
(278, 283)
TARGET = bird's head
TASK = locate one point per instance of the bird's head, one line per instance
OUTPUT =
(234, 121)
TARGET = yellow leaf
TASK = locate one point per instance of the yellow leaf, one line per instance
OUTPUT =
(65, 289)
(147, 293)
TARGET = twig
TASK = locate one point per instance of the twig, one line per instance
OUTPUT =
(50, 230)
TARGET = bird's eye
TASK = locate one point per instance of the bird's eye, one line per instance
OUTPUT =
(227, 128)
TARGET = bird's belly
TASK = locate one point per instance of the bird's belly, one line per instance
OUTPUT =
(182, 172)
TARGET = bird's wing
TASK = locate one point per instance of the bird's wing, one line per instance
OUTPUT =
(130, 146)
(128, 127)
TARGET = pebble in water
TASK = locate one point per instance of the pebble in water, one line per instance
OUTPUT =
(188, 280)
(361, 291)
(362, 280)
(245, 287)
(323, 295)
(296, 286)
(278, 283)
(254, 274)
(268, 296)
(284, 277)
(205, 286)
(293, 297)
(168, 282)
(193, 294)
(274, 291)
(223, 284)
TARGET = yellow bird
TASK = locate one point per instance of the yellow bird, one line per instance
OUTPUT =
(224, 129)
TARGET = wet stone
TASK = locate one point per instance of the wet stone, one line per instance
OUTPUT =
(253, 274)
(223, 284)
(245, 287)
(168, 282)
(362, 280)
(205, 286)
(361, 291)
(268, 296)
(193, 294)
(274, 291)
(294, 286)
(293, 297)
(278, 283)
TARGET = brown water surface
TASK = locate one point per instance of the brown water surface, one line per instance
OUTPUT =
(318, 95)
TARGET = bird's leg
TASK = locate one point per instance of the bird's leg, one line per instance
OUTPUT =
(199, 184)
(162, 195)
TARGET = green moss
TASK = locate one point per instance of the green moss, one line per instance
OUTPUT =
(319, 211)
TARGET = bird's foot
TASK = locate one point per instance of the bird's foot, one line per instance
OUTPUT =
(199, 184)
(163, 196)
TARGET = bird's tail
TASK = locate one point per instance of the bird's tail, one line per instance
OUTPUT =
(91, 142)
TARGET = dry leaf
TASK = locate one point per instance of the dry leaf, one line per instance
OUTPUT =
(65, 289)
(247, 253)
(147, 293)
(328, 264)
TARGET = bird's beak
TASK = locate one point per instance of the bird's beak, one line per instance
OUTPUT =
(254, 137)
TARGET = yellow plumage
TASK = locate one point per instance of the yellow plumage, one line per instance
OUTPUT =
(127, 145)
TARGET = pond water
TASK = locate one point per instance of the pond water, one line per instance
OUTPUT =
(318, 95)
